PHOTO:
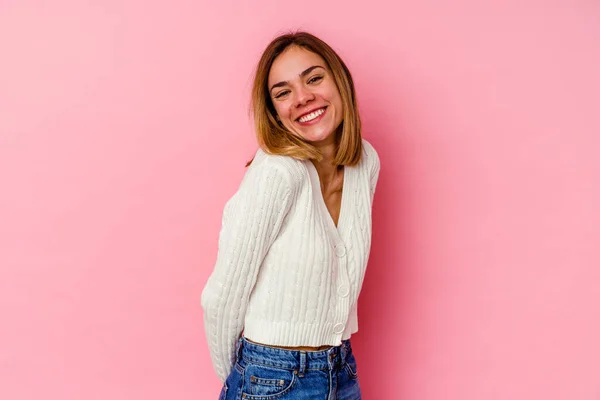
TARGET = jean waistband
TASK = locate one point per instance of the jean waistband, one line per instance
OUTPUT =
(293, 359)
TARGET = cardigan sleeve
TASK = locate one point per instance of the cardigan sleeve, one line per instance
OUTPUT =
(250, 223)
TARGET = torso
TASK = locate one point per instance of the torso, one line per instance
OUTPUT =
(333, 200)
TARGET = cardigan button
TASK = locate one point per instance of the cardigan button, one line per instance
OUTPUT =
(343, 290)
(338, 328)
(340, 250)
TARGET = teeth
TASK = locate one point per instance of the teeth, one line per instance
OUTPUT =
(312, 115)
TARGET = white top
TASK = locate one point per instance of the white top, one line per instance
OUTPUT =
(285, 275)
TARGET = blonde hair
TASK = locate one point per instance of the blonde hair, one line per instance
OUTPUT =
(272, 136)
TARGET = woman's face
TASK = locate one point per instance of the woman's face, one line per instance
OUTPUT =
(305, 95)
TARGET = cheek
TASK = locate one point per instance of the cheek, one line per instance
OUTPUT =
(282, 110)
(333, 95)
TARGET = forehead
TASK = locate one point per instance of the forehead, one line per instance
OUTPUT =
(289, 64)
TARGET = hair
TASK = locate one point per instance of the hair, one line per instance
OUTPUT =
(273, 137)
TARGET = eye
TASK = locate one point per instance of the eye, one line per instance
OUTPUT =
(281, 94)
(315, 79)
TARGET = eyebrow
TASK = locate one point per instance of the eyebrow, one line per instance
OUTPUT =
(302, 74)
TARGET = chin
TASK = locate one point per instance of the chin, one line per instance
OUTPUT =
(317, 136)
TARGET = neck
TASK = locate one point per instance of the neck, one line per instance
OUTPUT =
(328, 148)
(325, 168)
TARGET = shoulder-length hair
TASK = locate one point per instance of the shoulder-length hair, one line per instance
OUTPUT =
(273, 137)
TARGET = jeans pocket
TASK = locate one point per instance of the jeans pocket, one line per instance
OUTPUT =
(262, 382)
(350, 367)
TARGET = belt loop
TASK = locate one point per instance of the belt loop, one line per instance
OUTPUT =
(238, 350)
(302, 364)
(344, 351)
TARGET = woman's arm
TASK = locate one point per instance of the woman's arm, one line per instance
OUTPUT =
(251, 220)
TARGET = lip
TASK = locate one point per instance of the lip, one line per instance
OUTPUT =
(308, 112)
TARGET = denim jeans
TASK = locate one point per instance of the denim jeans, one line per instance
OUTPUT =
(268, 373)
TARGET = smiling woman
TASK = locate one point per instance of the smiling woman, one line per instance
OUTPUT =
(299, 74)
(309, 104)
(280, 305)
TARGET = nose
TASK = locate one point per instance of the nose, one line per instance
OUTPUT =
(303, 96)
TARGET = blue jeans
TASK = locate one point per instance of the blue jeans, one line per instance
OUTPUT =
(268, 373)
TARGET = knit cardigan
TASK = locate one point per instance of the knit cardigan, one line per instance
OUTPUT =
(285, 274)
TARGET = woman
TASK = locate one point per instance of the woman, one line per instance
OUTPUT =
(280, 305)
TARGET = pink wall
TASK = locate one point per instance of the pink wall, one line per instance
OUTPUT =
(123, 131)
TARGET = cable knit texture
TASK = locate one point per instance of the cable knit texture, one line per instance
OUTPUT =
(285, 274)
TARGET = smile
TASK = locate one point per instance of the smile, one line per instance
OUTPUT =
(313, 115)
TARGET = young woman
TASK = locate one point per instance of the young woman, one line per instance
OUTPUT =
(280, 305)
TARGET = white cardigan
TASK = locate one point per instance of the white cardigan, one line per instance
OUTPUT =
(285, 274)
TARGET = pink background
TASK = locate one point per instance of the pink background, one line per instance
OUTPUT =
(124, 129)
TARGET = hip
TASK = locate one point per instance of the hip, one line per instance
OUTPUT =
(268, 373)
